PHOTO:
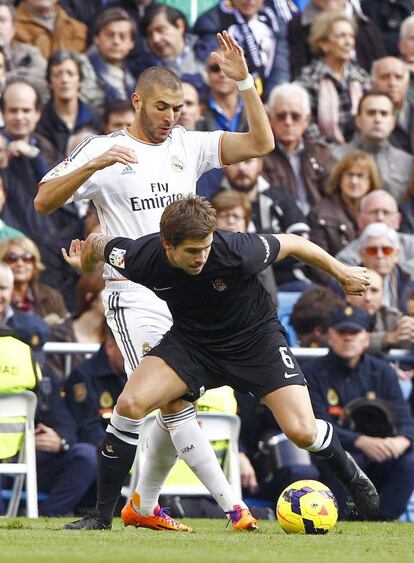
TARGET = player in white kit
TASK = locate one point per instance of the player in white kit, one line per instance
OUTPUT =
(131, 176)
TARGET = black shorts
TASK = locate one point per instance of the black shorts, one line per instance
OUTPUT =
(259, 367)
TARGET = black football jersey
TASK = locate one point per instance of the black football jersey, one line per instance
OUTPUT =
(222, 304)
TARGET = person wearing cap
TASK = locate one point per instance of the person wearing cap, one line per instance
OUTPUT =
(346, 373)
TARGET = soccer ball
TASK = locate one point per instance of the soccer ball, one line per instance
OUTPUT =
(307, 507)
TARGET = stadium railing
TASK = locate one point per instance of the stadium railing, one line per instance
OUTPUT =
(69, 348)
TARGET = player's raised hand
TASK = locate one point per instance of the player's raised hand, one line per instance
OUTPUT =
(115, 154)
(355, 280)
(73, 256)
(231, 58)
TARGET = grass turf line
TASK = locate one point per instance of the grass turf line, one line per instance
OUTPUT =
(43, 540)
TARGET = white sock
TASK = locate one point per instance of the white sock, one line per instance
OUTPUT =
(161, 456)
(195, 449)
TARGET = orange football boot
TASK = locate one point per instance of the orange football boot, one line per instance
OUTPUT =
(159, 520)
(241, 519)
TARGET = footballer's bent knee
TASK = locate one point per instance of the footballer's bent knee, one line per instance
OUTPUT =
(303, 435)
(131, 407)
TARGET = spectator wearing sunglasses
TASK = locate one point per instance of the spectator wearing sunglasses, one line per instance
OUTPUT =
(29, 294)
(380, 206)
(379, 251)
(298, 164)
(224, 106)
(334, 221)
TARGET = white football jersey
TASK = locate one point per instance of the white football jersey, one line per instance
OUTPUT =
(130, 198)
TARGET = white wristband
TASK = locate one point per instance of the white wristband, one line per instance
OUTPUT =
(245, 84)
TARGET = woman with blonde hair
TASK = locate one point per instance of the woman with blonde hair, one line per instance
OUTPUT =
(29, 294)
(333, 222)
(334, 82)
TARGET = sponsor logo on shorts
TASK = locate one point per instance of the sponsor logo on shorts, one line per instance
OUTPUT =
(161, 288)
(117, 257)
(289, 375)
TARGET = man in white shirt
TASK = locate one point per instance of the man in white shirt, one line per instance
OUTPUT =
(131, 176)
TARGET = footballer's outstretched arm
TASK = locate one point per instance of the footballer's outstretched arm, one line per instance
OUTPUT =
(84, 255)
(353, 279)
(55, 192)
(93, 250)
(259, 139)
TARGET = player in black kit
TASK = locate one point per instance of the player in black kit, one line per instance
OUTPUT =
(225, 332)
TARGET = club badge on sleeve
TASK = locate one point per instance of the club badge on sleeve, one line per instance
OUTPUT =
(117, 257)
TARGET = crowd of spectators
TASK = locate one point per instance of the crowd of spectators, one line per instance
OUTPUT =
(337, 79)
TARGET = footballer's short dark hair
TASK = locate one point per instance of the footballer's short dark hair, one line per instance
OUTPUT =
(191, 217)
(156, 77)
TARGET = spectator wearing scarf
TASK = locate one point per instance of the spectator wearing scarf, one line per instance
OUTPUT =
(106, 74)
(335, 84)
(262, 33)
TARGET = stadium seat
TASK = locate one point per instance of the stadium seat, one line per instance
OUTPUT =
(286, 301)
(21, 405)
(219, 427)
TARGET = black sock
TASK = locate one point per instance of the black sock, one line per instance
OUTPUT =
(334, 455)
(115, 460)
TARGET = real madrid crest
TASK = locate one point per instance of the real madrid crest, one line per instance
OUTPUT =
(177, 164)
(146, 347)
(332, 397)
(348, 311)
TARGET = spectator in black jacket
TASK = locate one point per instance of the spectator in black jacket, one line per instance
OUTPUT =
(388, 15)
(273, 211)
(65, 113)
(66, 467)
(348, 373)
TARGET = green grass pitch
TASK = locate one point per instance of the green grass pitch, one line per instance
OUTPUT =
(43, 540)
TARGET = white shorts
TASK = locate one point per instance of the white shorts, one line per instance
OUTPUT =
(137, 318)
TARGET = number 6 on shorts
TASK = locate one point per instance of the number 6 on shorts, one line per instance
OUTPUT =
(287, 359)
